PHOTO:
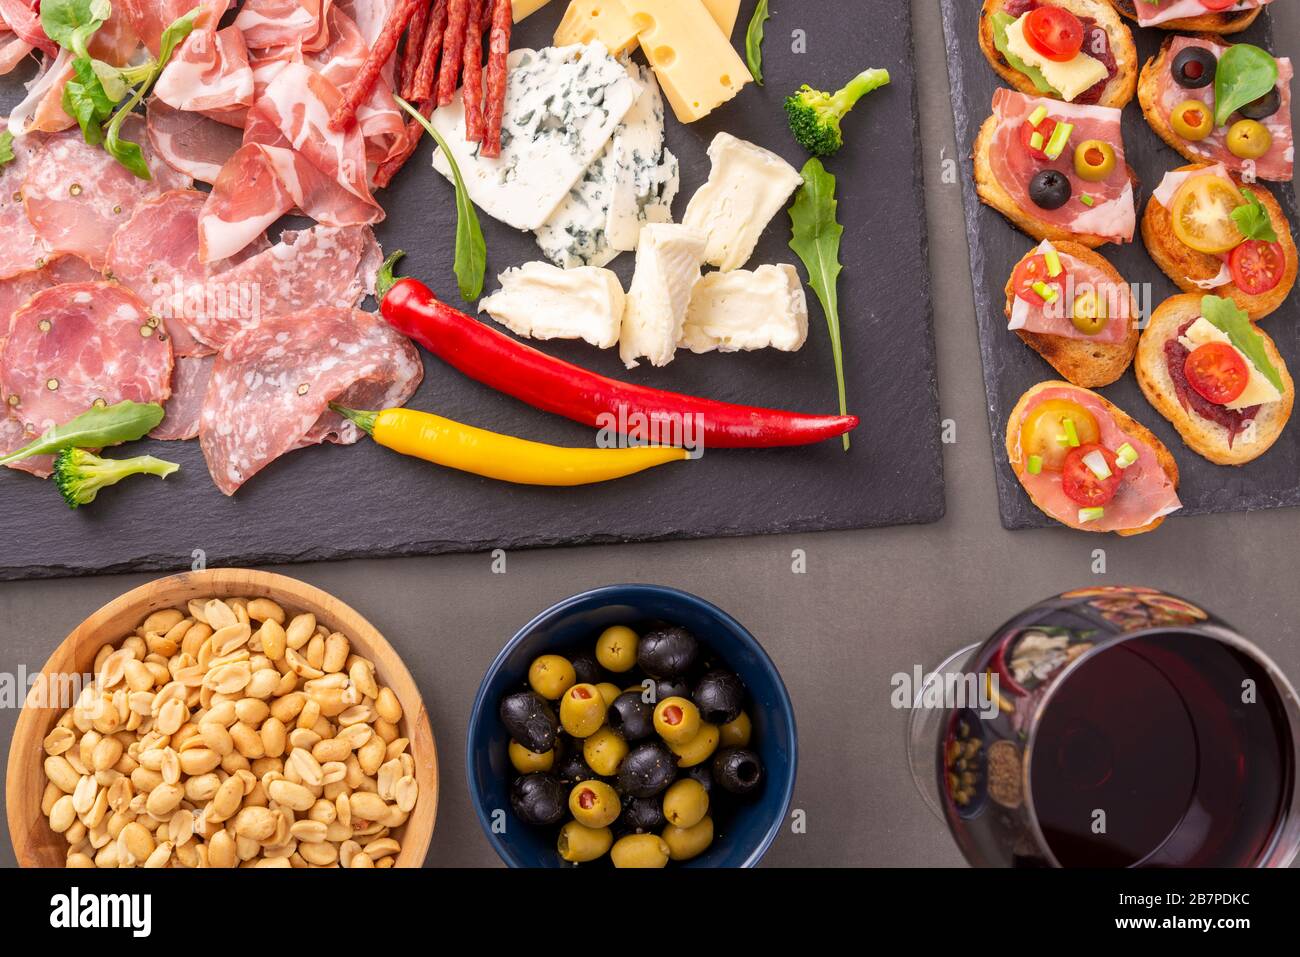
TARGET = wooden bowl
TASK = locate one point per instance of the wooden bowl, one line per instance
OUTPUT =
(36, 845)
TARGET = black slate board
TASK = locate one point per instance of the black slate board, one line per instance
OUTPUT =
(1010, 367)
(363, 501)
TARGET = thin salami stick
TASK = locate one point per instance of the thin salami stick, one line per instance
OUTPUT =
(473, 75)
(392, 166)
(497, 73)
(414, 44)
(426, 74)
(453, 50)
(358, 90)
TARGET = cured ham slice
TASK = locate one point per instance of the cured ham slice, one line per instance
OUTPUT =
(1112, 213)
(190, 380)
(1054, 319)
(13, 50)
(209, 72)
(149, 18)
(284, 23)
(1153, 12)
(78, 195)
(193, 144)
(24, 19)
(272, 385)
(23, 249)
(77, 345)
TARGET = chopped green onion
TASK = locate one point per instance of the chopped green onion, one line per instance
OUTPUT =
(1037, 116)
(1086, 199)
(1047, 293)
(1035, 464)
(1126, 456)
(1060, 136)
(1054, 267)
(1036, 140)
(1087, 515)
(1071, 433)
(1096, 463)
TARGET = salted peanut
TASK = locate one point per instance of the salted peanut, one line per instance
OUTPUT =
(396, 747)
(309, 832)
(161, 856)
(336, 651)
(226, 802)
(164, 799)
(119, 794)
(255, 823)
(107, 856)
(201, 787)
(195, 761)
(228, 679)
(62, 814)
(264, 610)
(303, 738)
(137, 676)
(362, 861)
(343, 810)
(51, 794)
(216, 737)
(223, 714)
(368, 806)
(61, 773)
(228, 640)
(362, 673)
(323, 811)
(221, 850)
(195, 638)
(301, 666)
(247, 741)
(334, 774)
(388, 706)
(83, 795)
(355, 735)
(291, 795)
(98, 809)
(218, 614)
(395, 818)
(386, 781)
(171, 767)
(288, 707)
(321, 853)
(385, 729)
(315, 651)
(357, 714)
(263, 684)
(180, 827)
(300, 630)
(135, 843)
(171, 716)
(309, 715)
(273, 639)
(382, 847)
(79, 860)
(331, 749)
(252, 712)
(274, 737)
(371, 754)
(58, 741)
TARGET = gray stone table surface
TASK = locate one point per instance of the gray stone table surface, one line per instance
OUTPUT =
(869, 605)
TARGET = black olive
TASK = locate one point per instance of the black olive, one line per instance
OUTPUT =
(672, 688)
(1264, 107)
(700, 772)
(647, 770)
(738, 770)
(642, 815)
(539, 798)
(720, 696)
(667, 652)
(1194, 67)
(631, 717)
(588, 672)
(572, 768)
(1050, 189)
(530, 720)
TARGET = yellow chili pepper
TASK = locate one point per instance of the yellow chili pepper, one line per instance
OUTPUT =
(423, 435)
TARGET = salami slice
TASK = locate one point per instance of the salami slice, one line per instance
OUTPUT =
(81, 344)
(272, 385)
(23, 249)
(77, 195)
(14, 436)
(190, 380)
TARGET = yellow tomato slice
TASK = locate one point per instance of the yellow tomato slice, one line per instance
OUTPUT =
(1044, 433)
(1202, 214)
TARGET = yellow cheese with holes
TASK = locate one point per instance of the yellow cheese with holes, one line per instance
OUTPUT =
(587, 21)
(693, 59)
(526, 8)
(724, 13)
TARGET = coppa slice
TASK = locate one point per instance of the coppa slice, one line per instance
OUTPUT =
(272, 385)
(191, 143)
(1039, 441)
(189, 387)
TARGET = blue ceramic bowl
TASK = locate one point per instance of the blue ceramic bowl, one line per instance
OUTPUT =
(747, 830)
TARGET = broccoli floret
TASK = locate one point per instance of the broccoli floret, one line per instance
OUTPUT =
(80, 475)
(815, 116)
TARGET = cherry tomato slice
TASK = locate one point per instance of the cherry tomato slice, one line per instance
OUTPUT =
(1030, 270)
(1217, 371)
(1257, 266)
(1081, 484)
(1217, 5)
(1027, 134)
(1042, 431)
(1055, 33)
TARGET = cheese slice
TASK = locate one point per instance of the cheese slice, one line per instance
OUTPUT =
(742, 310)
(541, 301)
(724, 13)
(695, 62)
(667, 271)
(1259, 391)
(526, 8)
(1069, 79)
(587, 21)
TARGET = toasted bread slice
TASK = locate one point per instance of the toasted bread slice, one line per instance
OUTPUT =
(1206, 22)
(1084, 363)
(1120, 88)
(1185, 265)
(1206, 438)
(993, 194)
(1126, 422)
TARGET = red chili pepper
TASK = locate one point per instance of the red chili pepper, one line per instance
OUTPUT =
(552, 385)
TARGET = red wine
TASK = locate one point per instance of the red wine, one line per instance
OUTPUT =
(1146, 755)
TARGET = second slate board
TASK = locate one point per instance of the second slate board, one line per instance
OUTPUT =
(1010, 367)
(363, 501)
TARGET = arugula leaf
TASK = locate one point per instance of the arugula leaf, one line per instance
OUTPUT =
(471, 249)
(71, 23)
(1245, 73)
(1253, 220)
(85, 99)
(95, 428)
(816, 240)
(1001, 21)
(1224, 315)
(6, 148)
(754, 41)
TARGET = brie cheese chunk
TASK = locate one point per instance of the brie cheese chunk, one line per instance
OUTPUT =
(667, 271)
(743, 310)
(1259, 391)
(747, 187)
(541, 301)
(1070, 78)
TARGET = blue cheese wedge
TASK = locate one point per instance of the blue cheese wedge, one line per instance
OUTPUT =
(633, 182)
(1070, 78)
(742, 310)
(562, 106)
(1259, 391)
(747, 187)
(667, 271)
(541, 301)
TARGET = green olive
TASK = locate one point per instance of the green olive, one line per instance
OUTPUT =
(677, 720)
(526, 762)
(640, 850)
(550, 676)
(616, 649)
(686, 802)
(594, 804)
(687, 842)
(582, 710)
(609, 691)
(1089, 312)
(697, 750)
(1094, 160)
(604, 751)
(1192, 120)
(736, 734)
(1249, 139)
(578, 844)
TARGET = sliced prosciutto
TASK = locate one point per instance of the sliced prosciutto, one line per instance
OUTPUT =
(209, 72)
(284, 23)
(77, 195)
(13, 50)
(1111, 214)
(78, 345)
(1146, 493)
(190, 380)
(23, 249)
(192, 144)
(1153, 12)
(272, 385)
(23, 17)
(1277, 164)
(1056, 318)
